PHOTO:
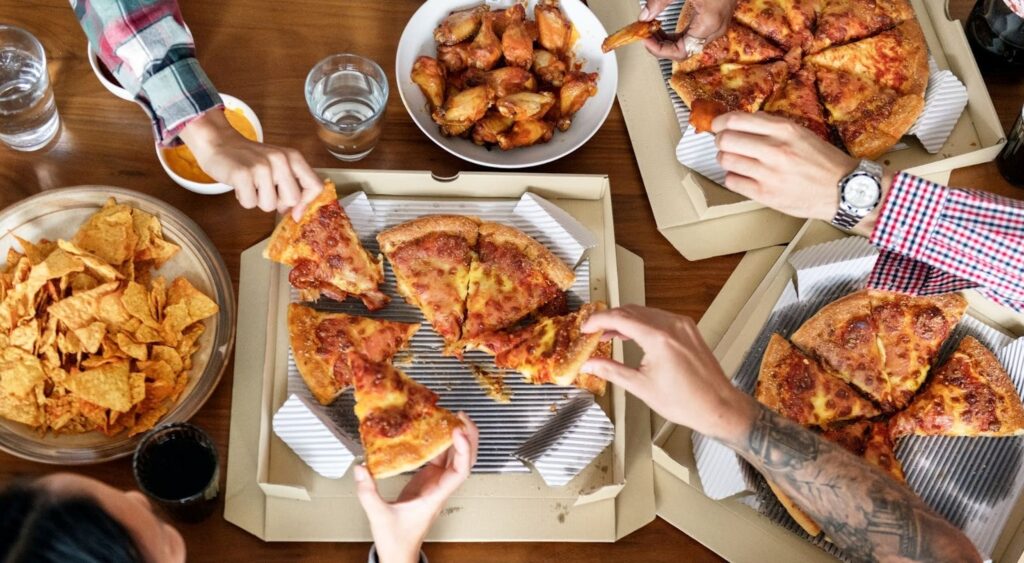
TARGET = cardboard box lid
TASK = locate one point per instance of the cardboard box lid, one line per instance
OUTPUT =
(692, 211)
(278, 506)
(750, 535)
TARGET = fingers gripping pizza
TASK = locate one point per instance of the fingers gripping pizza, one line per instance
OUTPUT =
(325, 254)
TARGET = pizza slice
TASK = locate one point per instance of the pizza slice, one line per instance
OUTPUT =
(845, 21)
(512, 276)
(325, 254)
(896, 59)
(323, 344)
(739, 44)
(400, 424)
(911, 331)
(431, 257)
(870, 119)
(730, 86)
(552, 350)
(844, 336)
(802, 16)
(769, 18)
(798, 100)
(798, 388)
(970, 395)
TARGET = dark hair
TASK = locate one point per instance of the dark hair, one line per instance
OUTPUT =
(37, 526)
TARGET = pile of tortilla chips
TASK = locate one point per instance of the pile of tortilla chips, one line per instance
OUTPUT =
(88, 341)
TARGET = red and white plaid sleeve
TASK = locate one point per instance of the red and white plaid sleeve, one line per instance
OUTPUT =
(935, 239)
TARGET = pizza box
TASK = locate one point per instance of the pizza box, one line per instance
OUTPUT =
(701, 218)
(274, 495)
(730, 527)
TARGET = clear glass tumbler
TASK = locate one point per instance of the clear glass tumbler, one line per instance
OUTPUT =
(176, 466)
(347, 95)
(28, 114)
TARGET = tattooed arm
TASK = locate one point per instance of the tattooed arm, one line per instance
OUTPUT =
(863, 511)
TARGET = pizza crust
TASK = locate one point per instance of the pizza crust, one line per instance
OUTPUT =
(279, 249)
(315, 371)
(549, 264)
(395, 457)
(1011, 418)
(460, 225)
(799, 516)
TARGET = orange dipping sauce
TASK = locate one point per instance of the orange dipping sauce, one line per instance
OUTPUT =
(181, 160)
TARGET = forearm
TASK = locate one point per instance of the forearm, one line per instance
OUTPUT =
(866, 513)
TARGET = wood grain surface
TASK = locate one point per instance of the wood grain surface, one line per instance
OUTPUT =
(260, 51)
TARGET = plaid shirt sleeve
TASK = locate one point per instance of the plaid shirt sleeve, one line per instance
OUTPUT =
(146, 46)
(935, 239)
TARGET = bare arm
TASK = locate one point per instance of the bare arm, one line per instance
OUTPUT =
(865, 512)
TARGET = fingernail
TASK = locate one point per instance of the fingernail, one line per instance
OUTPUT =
(645, 14)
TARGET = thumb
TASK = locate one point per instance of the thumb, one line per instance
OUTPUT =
(707, 26)
(366, 490)
(611, 371)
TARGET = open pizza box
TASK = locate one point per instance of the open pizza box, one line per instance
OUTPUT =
(275, 495)
(731, 526)
(703, 219)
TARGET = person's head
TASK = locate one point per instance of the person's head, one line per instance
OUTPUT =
(70, 518)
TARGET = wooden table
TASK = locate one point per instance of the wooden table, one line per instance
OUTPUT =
(260, 51)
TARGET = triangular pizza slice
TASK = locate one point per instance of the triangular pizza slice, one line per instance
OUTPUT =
(431, 257)
(400, 424)
(513, 275)
(769, 18)
(896, 59)
(323, 345)
(798, 100)
(739, 44)
(325, 254)
(970, 395)
(845, 21)
(800, 389)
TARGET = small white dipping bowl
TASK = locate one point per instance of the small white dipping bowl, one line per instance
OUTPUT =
(113, 88)
(230, 102)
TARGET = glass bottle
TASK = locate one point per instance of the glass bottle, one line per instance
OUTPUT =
(995, 30)
(1011, 160)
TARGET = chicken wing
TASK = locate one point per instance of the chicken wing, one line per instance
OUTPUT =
(500, 19)
(526, 105)
(526, 133)
(487, 129)
(632, 33)
(548, 67)
(553, 28)
(461, 110)
(577, 89)
(429, 75)
(455, 58)
(510, 80)
(517, 45)
(485, 51)
(459, 26)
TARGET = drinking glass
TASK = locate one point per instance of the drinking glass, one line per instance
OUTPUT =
(347, 95)
(28, 114)
(176, 466)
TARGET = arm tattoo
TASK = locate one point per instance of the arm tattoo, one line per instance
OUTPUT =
(862, 510)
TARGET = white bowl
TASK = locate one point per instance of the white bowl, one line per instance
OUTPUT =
(230, 102)
(112, 87)
(418, 39)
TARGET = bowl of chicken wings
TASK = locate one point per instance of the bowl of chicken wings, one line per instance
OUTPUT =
(506, 84)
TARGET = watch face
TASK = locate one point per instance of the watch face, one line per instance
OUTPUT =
(861, 192)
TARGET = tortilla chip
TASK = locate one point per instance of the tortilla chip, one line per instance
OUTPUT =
(179, 386)
(103, 270)
(91, 336)
(175, 321)
(199, 305)
(152, 246)
(137, 383)
(95, 415)
(111, 310)
(81, 309)
(25, 336)
(136, 301)
(21, 409)
(81, 281)
(130, 347)
(106, 386)
(147, 420)
(36, 253)
(169, 356)
(109, 234)
(158, 298)
(146, 335)
(20, 372)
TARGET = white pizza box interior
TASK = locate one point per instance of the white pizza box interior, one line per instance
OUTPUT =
(274, 495)
(729, 527)
(703, 219)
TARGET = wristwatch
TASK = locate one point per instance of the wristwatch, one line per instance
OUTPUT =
(860, 192)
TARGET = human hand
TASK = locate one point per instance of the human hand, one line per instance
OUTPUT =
(702, 21)
(679, 377)
(399, 527)
(777, 162)
(264, 176)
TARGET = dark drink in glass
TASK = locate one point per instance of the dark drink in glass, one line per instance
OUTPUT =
(176, 466)
(1011, 160)
(995, 30)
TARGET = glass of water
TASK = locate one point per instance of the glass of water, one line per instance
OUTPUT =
(347, 95)
(28, 114)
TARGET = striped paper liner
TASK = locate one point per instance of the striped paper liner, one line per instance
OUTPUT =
(504, 427)
(314, 439)
(972, 482)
